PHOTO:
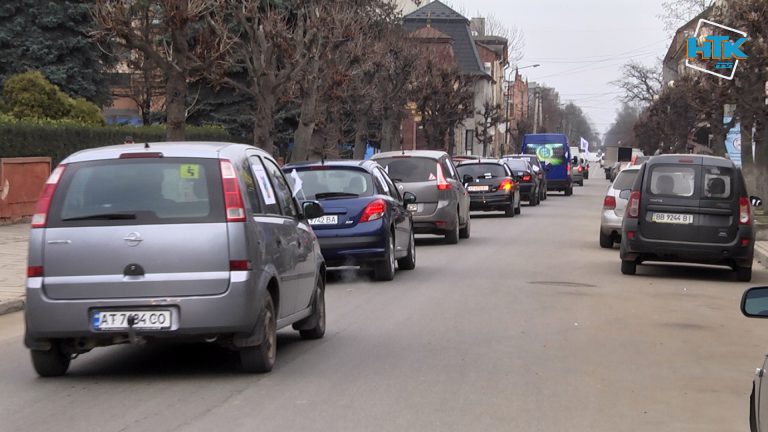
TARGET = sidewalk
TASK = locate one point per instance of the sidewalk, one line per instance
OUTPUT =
(761, 252)
(13, 264)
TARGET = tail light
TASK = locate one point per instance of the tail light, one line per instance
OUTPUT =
(44, 202)
(239, 265)
(633, 206)
(745, 211)
(609, 203)
(506, 185)
(233, 201)
(526, 178)
(374, 211)
(568, 169)
(580, 169)
(35, 271)
(441, 183)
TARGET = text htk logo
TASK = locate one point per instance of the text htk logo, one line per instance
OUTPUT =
(716, 48)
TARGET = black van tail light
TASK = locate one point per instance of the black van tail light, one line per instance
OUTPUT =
(745, 211)
(35, 271)
(239, 265)
(630, 235)
(609, 203)
(633, 206)
(44, 202)
(233, 201)
(373, 211)
(745, 241)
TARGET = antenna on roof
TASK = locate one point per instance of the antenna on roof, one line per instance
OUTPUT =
(146, 145)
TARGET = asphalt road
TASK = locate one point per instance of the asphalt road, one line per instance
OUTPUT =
(527, 326)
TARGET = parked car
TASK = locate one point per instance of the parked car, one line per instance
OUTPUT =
(754, 304)
(529, 182)
(577, 171)
(538, 169)
(614, 206)
(491, 186)
(553, 151)
(442, 202)
(689, 208)
(617, 168)
(584, 163)
(365, 222)
(170, 241)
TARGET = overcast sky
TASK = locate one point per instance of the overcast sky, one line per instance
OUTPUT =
(581, 44)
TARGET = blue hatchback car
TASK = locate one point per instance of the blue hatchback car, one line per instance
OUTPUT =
(366, 222)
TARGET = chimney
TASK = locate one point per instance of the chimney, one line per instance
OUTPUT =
(477, 25)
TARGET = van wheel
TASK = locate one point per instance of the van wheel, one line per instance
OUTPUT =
(51, 363)
(628, 267)
(606, 241)
(318, 314)
(408, 262)
(466, 231)
(744, 274)
(452, 237)
(261, 358)
(569, 191)
(385, 270)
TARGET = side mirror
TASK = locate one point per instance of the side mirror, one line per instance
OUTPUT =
(312, 209)
(467, 179)
(756, 201)
(754, 303)
(409, 198)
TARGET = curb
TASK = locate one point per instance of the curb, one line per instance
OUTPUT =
(11, 305)
(761, 253)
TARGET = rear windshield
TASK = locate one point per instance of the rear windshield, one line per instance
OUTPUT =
(673, 180)
(717, 182)
(553, 154)
(482, 170)
(516, 164)
(625, 180)
(138, 191)
(410, 169)
(333, 183)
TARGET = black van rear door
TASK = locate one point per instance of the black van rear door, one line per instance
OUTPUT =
(670, 202)
(719, 205)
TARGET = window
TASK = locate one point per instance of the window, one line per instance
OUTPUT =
(673, 181)
(410, 169)
(483, 170)
(333, 183)
(282, 190)
(447, 172)
(469, 141)
(268, 195)
(625, 180)
(393, 192)
(718, 182)
(251, 189)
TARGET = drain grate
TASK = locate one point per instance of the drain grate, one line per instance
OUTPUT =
(562, 284)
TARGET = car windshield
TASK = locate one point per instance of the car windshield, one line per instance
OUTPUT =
(139, 191)
(482, 170)
(625, 180)
(410, 169)
(333, 183)
(516, 164)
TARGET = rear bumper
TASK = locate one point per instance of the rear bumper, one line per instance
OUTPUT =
(610, 224)
(352, 250)
(644, 249)
(490, 201)
(235, 311)
(558, 184)
(441, 221)
(526, 189)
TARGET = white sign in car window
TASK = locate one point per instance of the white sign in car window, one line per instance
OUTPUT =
(264, 185)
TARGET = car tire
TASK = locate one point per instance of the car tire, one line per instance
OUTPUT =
(628, 267)
(544, 195)
(744, 274)
(452, 237)
(51, 363)
(606, 241)
(261, 358)
(384, 271)
(532, 200)
(318, 314)
(569, 191)
(408, 262)
(510, 211)
(465, 232)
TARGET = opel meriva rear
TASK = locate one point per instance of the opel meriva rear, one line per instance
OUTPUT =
(169, 241)
(686, 208)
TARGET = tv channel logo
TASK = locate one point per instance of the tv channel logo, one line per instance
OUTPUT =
(715, 49)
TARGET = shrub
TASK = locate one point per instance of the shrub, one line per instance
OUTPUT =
(30, 95)
(85, 112)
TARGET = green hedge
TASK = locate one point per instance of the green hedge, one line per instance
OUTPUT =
(60, 139)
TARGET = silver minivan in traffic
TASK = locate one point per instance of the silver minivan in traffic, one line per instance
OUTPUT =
(193, 241)
(614, 206)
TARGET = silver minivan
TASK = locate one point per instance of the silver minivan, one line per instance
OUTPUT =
(443, 201)
(193, 241)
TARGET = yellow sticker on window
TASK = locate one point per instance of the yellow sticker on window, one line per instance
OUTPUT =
(189, 171)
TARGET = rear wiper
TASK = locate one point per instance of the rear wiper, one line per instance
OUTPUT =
(105, 216)
(336, 195)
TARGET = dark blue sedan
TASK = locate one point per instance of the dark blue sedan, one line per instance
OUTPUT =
(366, 221)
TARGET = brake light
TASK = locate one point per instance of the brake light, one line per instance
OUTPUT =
(239, 265)
(580, 169)
(633, 206)
(609, 203)
(526, 178)
(35, 271)
(568, 169)
(143, 155)
(441, 183)
(506, 185)
(233, 201)
(374, 211)
(745, 211)
(44, 202)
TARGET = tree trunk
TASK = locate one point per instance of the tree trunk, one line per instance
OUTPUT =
(388, 131)
(263, 122)
(361, 129)
(176, 106)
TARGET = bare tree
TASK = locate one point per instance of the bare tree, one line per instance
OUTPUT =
(641, 84)
(490, 117)
(678, 12)
(176, 49)
(514, 36)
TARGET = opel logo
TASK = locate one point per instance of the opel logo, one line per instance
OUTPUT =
(133, 239)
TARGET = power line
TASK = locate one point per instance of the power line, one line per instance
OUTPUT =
(563, 59)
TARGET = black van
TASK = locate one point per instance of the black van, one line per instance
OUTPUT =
(689, 208)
